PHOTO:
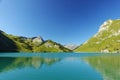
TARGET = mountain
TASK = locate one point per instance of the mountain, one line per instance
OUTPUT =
(10, 43)
(71, 46)
(6, 44)
(107, 39)
(50, 46)
(37, 40)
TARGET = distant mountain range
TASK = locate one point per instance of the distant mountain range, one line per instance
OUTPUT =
(71, 46)
(107, 39)
(10, 43)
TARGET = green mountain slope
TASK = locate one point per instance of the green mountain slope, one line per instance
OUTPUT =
(107, 39)
(10, 43)
(50, 46)
(6, 44)
(21, 43)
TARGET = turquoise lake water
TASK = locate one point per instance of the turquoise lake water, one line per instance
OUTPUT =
(59, 66)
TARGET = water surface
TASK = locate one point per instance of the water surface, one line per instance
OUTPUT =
(59, 66)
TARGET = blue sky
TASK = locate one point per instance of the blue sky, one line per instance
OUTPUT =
(63, 21)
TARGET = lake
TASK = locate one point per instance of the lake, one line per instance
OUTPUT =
(59, 66)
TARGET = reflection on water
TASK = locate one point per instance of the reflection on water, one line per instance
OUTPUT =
(87, 67)
(35, 62)
(108, 66)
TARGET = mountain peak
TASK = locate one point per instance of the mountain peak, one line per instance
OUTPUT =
(107, 39)
(37, 40)
(105, 25)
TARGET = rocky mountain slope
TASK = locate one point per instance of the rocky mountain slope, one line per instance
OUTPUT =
(107, 39)
(10, 43)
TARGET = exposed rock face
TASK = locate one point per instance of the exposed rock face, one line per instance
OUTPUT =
(105, 51)
(48, 44)
(37, 40)
(105, 25)
(107, 39)
(71, 46)
(51, 44)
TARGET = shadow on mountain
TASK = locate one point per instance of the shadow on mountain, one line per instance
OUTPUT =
(6, 44)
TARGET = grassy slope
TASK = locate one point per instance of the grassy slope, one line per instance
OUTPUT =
(6, 44)
(54, 47)
(10, 43)
(103, 40)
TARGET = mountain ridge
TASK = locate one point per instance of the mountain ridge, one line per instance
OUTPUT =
(107, 39)
(11, 43)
